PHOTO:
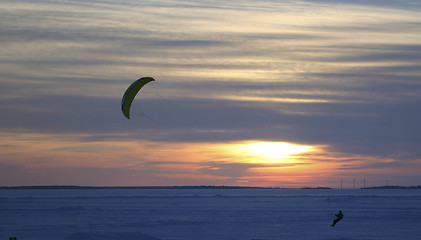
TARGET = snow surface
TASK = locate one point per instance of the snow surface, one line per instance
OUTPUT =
(210, 214)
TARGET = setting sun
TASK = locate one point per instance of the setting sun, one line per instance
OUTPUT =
(274, 152)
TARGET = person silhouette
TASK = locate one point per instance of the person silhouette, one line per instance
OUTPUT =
(339, 217)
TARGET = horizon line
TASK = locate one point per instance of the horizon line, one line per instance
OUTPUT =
(190, 187)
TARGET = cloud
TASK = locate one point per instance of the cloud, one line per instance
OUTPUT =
(232, 170)
(406, 4)
(383, 129)
(92, 176)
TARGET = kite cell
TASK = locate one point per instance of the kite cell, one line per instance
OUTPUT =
(130, 94)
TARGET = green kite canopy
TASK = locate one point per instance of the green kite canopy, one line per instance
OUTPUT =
(131, 93)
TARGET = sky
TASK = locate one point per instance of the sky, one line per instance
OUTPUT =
(274, 93)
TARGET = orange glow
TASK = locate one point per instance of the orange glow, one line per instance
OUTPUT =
(275, 152)
(251, 163)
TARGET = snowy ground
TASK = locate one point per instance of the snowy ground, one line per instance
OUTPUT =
(222, 214)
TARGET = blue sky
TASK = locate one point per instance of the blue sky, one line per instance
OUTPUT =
(339, 77)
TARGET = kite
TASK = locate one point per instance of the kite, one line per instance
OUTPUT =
(131, 93)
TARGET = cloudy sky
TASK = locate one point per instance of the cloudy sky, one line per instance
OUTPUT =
(278, 93)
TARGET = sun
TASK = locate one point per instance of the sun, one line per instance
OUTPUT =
(272, 152)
